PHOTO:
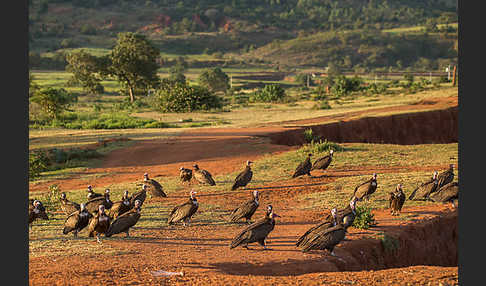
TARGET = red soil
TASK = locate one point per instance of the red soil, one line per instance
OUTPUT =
(428, 240)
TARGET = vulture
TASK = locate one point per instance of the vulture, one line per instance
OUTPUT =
(244, 177)
(120, 207)
(323, 162)
(246, 210)
(328, 222)
(77, 220)
(185, 211)
(397, 198)
(256, 232)
(67, 206)
(366, 189)
(155, 189)
(348, 214)
(445, 177)
(140, 195)
(99, 223)
(203, 176)
(423, 191)
(36, 210)
(92, 205)
(185, 174)
(92, 194)
(327, 239)
(124, 222)
(345, 216)
(303, 168)
(447, 193)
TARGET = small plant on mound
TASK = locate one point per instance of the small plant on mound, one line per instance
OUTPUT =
(38, 162)
(320, 146)
(309, 135)
(364, 218)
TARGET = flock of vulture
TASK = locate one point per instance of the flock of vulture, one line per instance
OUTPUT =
(102, 216)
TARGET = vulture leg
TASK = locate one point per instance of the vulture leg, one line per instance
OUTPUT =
(75, 233)
(98, 238)
(128, 235)
(246, 246)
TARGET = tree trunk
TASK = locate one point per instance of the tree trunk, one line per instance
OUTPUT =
(132, 97)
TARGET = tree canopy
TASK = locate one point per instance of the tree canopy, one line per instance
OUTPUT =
(214, 80)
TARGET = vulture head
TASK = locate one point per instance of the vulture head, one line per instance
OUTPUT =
(193, 194)
(255, 194)
(63, 195)
(331, 152)
(399, 187)
(248, 162)
(101, 209)
(39, 210)
(137, 205)
(195, 166)
(435, 175)
(90, 188)
(181, 168)
(82, 207)
(269, 209)
(374, 176)
(451, 166)
(309, 155)
(125, 194)
(145, 176)
(352, 204)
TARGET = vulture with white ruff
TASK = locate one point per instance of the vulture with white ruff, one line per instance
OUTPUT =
(366, 189)
(244, 177)
(396, 200)
(99, 223)
(36, 210)
(77, 221)
(67, 206)
(246, 210)
(423, 191)
(124, 222)
(323, 162)
(120, 207)
(257, 231)
(185, 211)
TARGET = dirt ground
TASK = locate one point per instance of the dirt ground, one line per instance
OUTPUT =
(201, 251)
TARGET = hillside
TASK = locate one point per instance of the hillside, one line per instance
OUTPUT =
(227, 29)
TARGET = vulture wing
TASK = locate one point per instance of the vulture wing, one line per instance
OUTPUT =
(322, 163)
(123, 223)
(303, 168)
(155, 188)
(446, 193)
(242, 179)
(244, 211)
(181, 212)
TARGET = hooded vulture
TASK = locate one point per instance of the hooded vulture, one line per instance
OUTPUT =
(185, 174)
(256, 232)
(304, 168)
(447, 193)
(366, 189)
(327, 239)
(99, 223)
(203, 176)
(244, 177)
(445, 177)
(348, 214)
(323, 162)
(67, 206)
(36, 210)
(423, 191)
(124, 222)
(396, 200)
(185, 211)
(246, 210)
(77, 220)
(329, 221)
(155, 189)
(140, 195)
(91, 194)
(92, 205)
(120, 207)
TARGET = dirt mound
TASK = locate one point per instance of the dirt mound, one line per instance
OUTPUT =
(430, 127)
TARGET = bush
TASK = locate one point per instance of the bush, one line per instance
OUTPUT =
(320, 146)
(38, 162)
(323, 104)
(309, 135)
(269, 93)
(364, 218)
(180, 97)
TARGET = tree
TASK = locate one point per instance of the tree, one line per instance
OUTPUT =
(214, 80)
(53, 101)
(86, 71)
(133, 63)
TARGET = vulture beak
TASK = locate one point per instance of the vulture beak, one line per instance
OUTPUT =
(275, 215)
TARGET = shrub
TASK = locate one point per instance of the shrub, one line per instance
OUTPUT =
(38, 162)
(180, 97)
(364, 218)
(269, 93)
(320, 146)
(309, 135)
(323, 104)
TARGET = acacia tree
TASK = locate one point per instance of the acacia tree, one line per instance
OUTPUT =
(133, 62)
(214, 80)
(53, 101)
(86, 71)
